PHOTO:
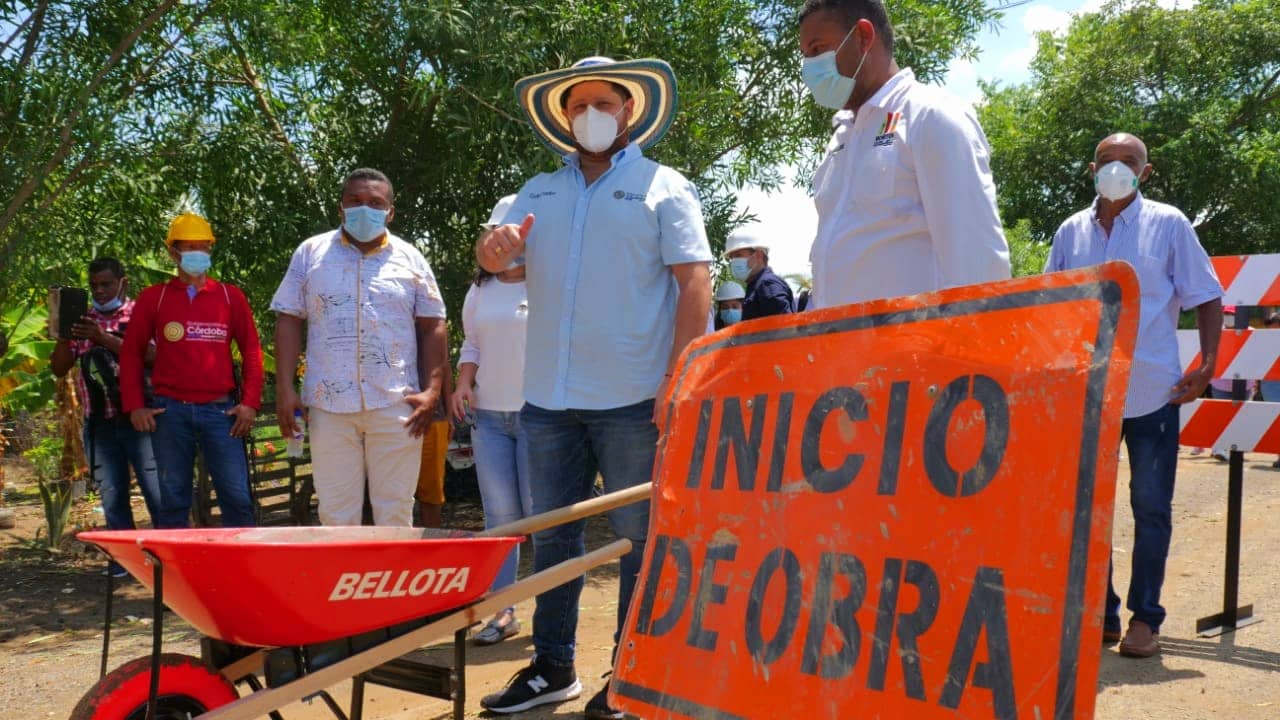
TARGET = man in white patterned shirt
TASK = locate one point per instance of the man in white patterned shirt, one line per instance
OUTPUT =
(376, 356)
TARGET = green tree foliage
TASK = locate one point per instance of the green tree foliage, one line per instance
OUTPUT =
(114, 113)
(1201, 86)
(1027, 255)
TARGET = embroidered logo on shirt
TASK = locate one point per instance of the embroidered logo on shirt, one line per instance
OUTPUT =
(620, 195)
(174, 331)
(206, 332)
(544, 193)
(886, 135)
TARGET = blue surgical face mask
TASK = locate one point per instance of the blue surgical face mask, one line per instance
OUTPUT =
(109, 306)
(729, 316)
(829, 88)
(740, 268)
(195, 262)
(364, 223)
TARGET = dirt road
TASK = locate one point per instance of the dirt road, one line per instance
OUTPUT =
(50, 615)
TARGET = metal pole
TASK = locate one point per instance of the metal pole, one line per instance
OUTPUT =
(1232, 616)
(157, 632)
(1235, 499)
(106, 625)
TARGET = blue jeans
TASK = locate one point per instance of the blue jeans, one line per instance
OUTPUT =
(112, 446)
(1152, 441)
(502, 472)
(179, 429)
(565, 449)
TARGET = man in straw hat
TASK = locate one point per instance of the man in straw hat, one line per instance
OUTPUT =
(192, 319)
(619, 283)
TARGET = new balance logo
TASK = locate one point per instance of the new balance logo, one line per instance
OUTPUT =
(538, 684)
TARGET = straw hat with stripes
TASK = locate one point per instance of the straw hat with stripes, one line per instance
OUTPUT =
(651, 83)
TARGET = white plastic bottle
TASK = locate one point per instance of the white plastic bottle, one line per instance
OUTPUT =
(294, 447)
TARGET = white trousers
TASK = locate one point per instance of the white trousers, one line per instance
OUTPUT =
(348, 448)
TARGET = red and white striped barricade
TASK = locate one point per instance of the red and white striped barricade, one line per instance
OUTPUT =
(1244, 355)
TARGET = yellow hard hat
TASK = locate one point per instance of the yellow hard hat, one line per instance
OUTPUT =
(189, 226)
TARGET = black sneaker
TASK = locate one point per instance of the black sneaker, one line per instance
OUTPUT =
(540, 683)
(598, 708)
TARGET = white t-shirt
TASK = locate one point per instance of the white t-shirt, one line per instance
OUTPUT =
(494, 317)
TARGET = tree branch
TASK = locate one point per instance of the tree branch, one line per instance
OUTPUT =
(487, 104)
(260, 94)
(1250, 108)
(33, 38)
(37, 178)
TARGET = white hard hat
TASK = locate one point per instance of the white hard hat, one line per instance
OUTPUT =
(500, 211)
(730, 291)
(745, 238)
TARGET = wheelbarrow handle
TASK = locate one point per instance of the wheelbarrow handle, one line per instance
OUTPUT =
(256, 704)
(569, 513)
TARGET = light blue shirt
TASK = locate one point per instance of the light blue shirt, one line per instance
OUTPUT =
(1174, 273)
(602, 297)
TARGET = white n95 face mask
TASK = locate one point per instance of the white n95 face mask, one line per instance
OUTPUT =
(1115, 181)
(596, 130)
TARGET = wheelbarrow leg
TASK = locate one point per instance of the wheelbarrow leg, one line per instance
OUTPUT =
(106, 623)
(459, 674)
(357, 697)
(157, 632)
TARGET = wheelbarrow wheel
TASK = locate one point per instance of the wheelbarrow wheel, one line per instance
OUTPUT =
(188, 688)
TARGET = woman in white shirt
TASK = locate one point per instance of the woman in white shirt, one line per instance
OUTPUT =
(490, 382)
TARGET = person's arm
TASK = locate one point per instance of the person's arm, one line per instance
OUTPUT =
(433, 361)
(694, 281)
(288, 343)
(497, 248)
(64, 354)
(133, 354)
(1209, 323)
(62, 359)
(1195, 284)
(686, 251)
(290, 306)
(468, 359)
(245, 333)
(953, 172)
(464, 395)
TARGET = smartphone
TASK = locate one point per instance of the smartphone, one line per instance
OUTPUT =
(67, 306)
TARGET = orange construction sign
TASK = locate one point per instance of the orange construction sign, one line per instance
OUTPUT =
(900, 509)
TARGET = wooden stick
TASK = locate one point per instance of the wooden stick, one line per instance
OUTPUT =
(247, 665)
(569, 513)
(255, 705)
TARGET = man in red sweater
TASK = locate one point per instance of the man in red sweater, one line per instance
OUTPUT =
(193, 319)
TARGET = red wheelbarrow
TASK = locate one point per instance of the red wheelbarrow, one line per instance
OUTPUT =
(309, 607)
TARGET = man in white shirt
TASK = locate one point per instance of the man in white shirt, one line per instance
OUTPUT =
(905, 199)
(1174, 273)
(376, 356)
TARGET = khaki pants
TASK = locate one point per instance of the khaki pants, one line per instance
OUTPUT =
(347, 448)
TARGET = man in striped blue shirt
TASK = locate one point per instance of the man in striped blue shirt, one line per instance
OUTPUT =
(1174, 274)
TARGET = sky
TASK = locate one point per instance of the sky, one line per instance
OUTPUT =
(1004, 56)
